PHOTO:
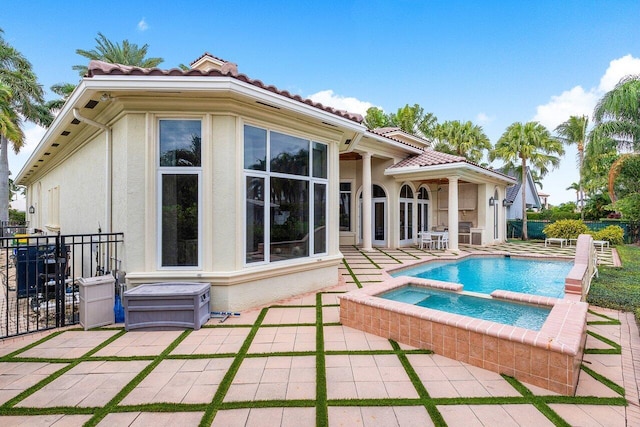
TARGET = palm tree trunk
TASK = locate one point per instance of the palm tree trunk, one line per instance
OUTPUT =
(4, 179)
(525, 235)
(581, 159)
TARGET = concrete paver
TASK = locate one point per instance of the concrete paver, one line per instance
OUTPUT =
(280, 364)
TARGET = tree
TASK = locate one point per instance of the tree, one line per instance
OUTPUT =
(575, 186)
(530, 142)
(574, 131)
(617, 114)
(376, 118)
(411, 119)
(23, 99)
(462, 139)
(115, 53)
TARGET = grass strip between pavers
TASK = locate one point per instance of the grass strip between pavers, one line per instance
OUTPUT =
(49, 379)
(351, 273)
(30, 346)
(538, 402)
(389, 255)
(113, 403)
(615, 347)
(604, 380)
(407, 253)
(223, 387)
(322, 411)
(427, 401)
(610, 320)
(364, 254)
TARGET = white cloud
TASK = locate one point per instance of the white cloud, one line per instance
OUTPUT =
(483, 118)
(618, 68)
(350, 104)
(573, 102)
(578, 101)
(142, 25)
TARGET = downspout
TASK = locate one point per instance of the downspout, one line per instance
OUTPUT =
(108, 168)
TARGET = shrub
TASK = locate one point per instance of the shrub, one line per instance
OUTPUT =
(566, 229)
(612, 234)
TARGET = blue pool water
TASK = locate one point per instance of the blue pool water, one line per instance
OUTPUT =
(487, 274)
(505, 312)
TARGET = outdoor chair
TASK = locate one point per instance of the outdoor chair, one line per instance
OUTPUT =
(444, 240)
(426, 240)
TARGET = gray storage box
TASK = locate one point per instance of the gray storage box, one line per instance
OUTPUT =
(166, 306)
(96, 301)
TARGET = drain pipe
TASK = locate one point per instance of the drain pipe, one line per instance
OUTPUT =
(108, 167)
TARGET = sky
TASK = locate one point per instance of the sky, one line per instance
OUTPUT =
(491, 62)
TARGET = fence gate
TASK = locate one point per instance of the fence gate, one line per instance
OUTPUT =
(39, 277)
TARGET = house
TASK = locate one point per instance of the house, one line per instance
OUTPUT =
(514, 196)
(216, 177)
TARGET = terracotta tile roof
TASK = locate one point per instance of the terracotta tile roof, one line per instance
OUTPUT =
(389, 130)
(209, 55)
(430, 157)
(98, 68)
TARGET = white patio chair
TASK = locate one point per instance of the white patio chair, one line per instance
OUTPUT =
(444, 240)
(426, 240)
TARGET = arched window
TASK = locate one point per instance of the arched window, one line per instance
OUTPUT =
(406, 214)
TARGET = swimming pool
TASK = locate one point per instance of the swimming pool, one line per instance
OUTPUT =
(508, 313)
(486, 274)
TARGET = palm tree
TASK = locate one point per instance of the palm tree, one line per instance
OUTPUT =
(125, 54)
(9, 127)
(574, 131)
(530, 142)
(617, 114)
(577, 188)
(462, 139)
(23, 99)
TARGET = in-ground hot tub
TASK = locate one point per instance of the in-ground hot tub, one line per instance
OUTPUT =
(549, 358)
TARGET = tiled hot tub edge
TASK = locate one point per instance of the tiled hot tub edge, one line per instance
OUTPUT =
(549, 358)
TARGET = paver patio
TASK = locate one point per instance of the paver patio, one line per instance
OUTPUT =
(293, 364)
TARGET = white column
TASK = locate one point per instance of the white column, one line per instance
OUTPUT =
(453, 213)
(366, 202)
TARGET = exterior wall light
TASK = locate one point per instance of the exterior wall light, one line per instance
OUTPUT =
(492, 201)
(505, 203)
(32, 210)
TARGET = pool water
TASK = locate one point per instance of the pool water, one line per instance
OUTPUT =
(486, 274)
(505, 312)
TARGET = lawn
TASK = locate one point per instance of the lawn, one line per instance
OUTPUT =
(619, 288)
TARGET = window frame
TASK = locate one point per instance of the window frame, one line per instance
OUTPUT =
(351, 202)
(266, 175)
(178, 170)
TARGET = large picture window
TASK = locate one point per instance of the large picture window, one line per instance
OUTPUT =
(179, 180)
(286, 196)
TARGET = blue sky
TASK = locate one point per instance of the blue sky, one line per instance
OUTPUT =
(493, 63)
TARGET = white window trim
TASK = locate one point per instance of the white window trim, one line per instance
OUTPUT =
(267, 175)
(351, 205)
(176, 170)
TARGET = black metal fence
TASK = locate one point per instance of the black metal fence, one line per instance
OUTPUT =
(39, 276)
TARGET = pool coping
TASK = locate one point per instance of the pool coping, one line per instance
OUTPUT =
(549, 358)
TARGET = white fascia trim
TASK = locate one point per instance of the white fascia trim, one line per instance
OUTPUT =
(55, 129)
(182, 84)
(219, 84)
(449, 166)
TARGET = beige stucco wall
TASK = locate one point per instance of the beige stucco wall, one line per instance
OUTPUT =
(81, 177)
(473, 200)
